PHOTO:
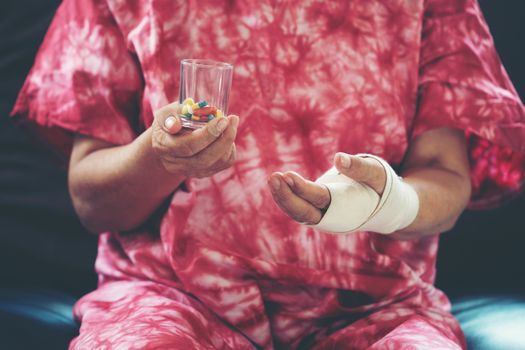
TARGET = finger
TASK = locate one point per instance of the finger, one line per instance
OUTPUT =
(366, 170)
(224, 162)
(310, 191)
(190, 144)
(168, 118)
(220, 165)
(227, 161)
(293, 205)
(230, 155)
(220, 148)
(205, 159)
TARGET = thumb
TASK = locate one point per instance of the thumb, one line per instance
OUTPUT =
(172, 124)
(366, 170)
(168, 118)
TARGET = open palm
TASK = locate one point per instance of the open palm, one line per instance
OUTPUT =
(305, 201)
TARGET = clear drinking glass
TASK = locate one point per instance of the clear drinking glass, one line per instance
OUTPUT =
(207, 83)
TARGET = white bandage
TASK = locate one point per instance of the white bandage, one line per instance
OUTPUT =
(355, 206)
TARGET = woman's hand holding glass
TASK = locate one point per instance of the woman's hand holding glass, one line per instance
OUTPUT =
(199, 153)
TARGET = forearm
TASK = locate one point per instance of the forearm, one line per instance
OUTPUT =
(363, 192)
(118, 188)
(443, 195)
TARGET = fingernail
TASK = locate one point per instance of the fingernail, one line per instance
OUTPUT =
(235, 122)
(168, 123)
(275, 183)
(289, 181)
(345, 160)
(222, 124)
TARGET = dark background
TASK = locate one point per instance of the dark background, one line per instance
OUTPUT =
(42, 242)
(484, 253)
(43, 245)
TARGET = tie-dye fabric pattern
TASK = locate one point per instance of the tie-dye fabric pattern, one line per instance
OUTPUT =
(224, 268)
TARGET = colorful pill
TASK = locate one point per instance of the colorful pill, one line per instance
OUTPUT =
(188, 101)
(205, 111)
(199, 112)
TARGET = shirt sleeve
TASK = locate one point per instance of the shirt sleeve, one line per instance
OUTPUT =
(84, 80)
(462, 84)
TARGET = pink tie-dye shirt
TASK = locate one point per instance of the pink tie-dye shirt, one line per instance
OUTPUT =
(311, 78)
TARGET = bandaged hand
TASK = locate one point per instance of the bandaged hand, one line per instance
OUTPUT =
(360, 193)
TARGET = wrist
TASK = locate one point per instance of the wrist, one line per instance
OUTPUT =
(152, 167)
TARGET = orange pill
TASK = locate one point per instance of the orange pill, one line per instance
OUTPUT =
(205, 111)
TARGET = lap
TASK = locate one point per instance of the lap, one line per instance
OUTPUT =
(396, 329)
(142, 315)
(145, 315)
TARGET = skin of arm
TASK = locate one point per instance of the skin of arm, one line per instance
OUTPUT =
(117, 188)
(436, 166)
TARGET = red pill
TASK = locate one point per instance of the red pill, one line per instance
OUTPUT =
(205, 111)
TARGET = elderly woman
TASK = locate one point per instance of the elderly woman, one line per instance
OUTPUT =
(194, 253)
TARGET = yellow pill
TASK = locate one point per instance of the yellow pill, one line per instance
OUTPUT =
(189, 101)
(184, 109)
(219, 113)
(194, 106)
